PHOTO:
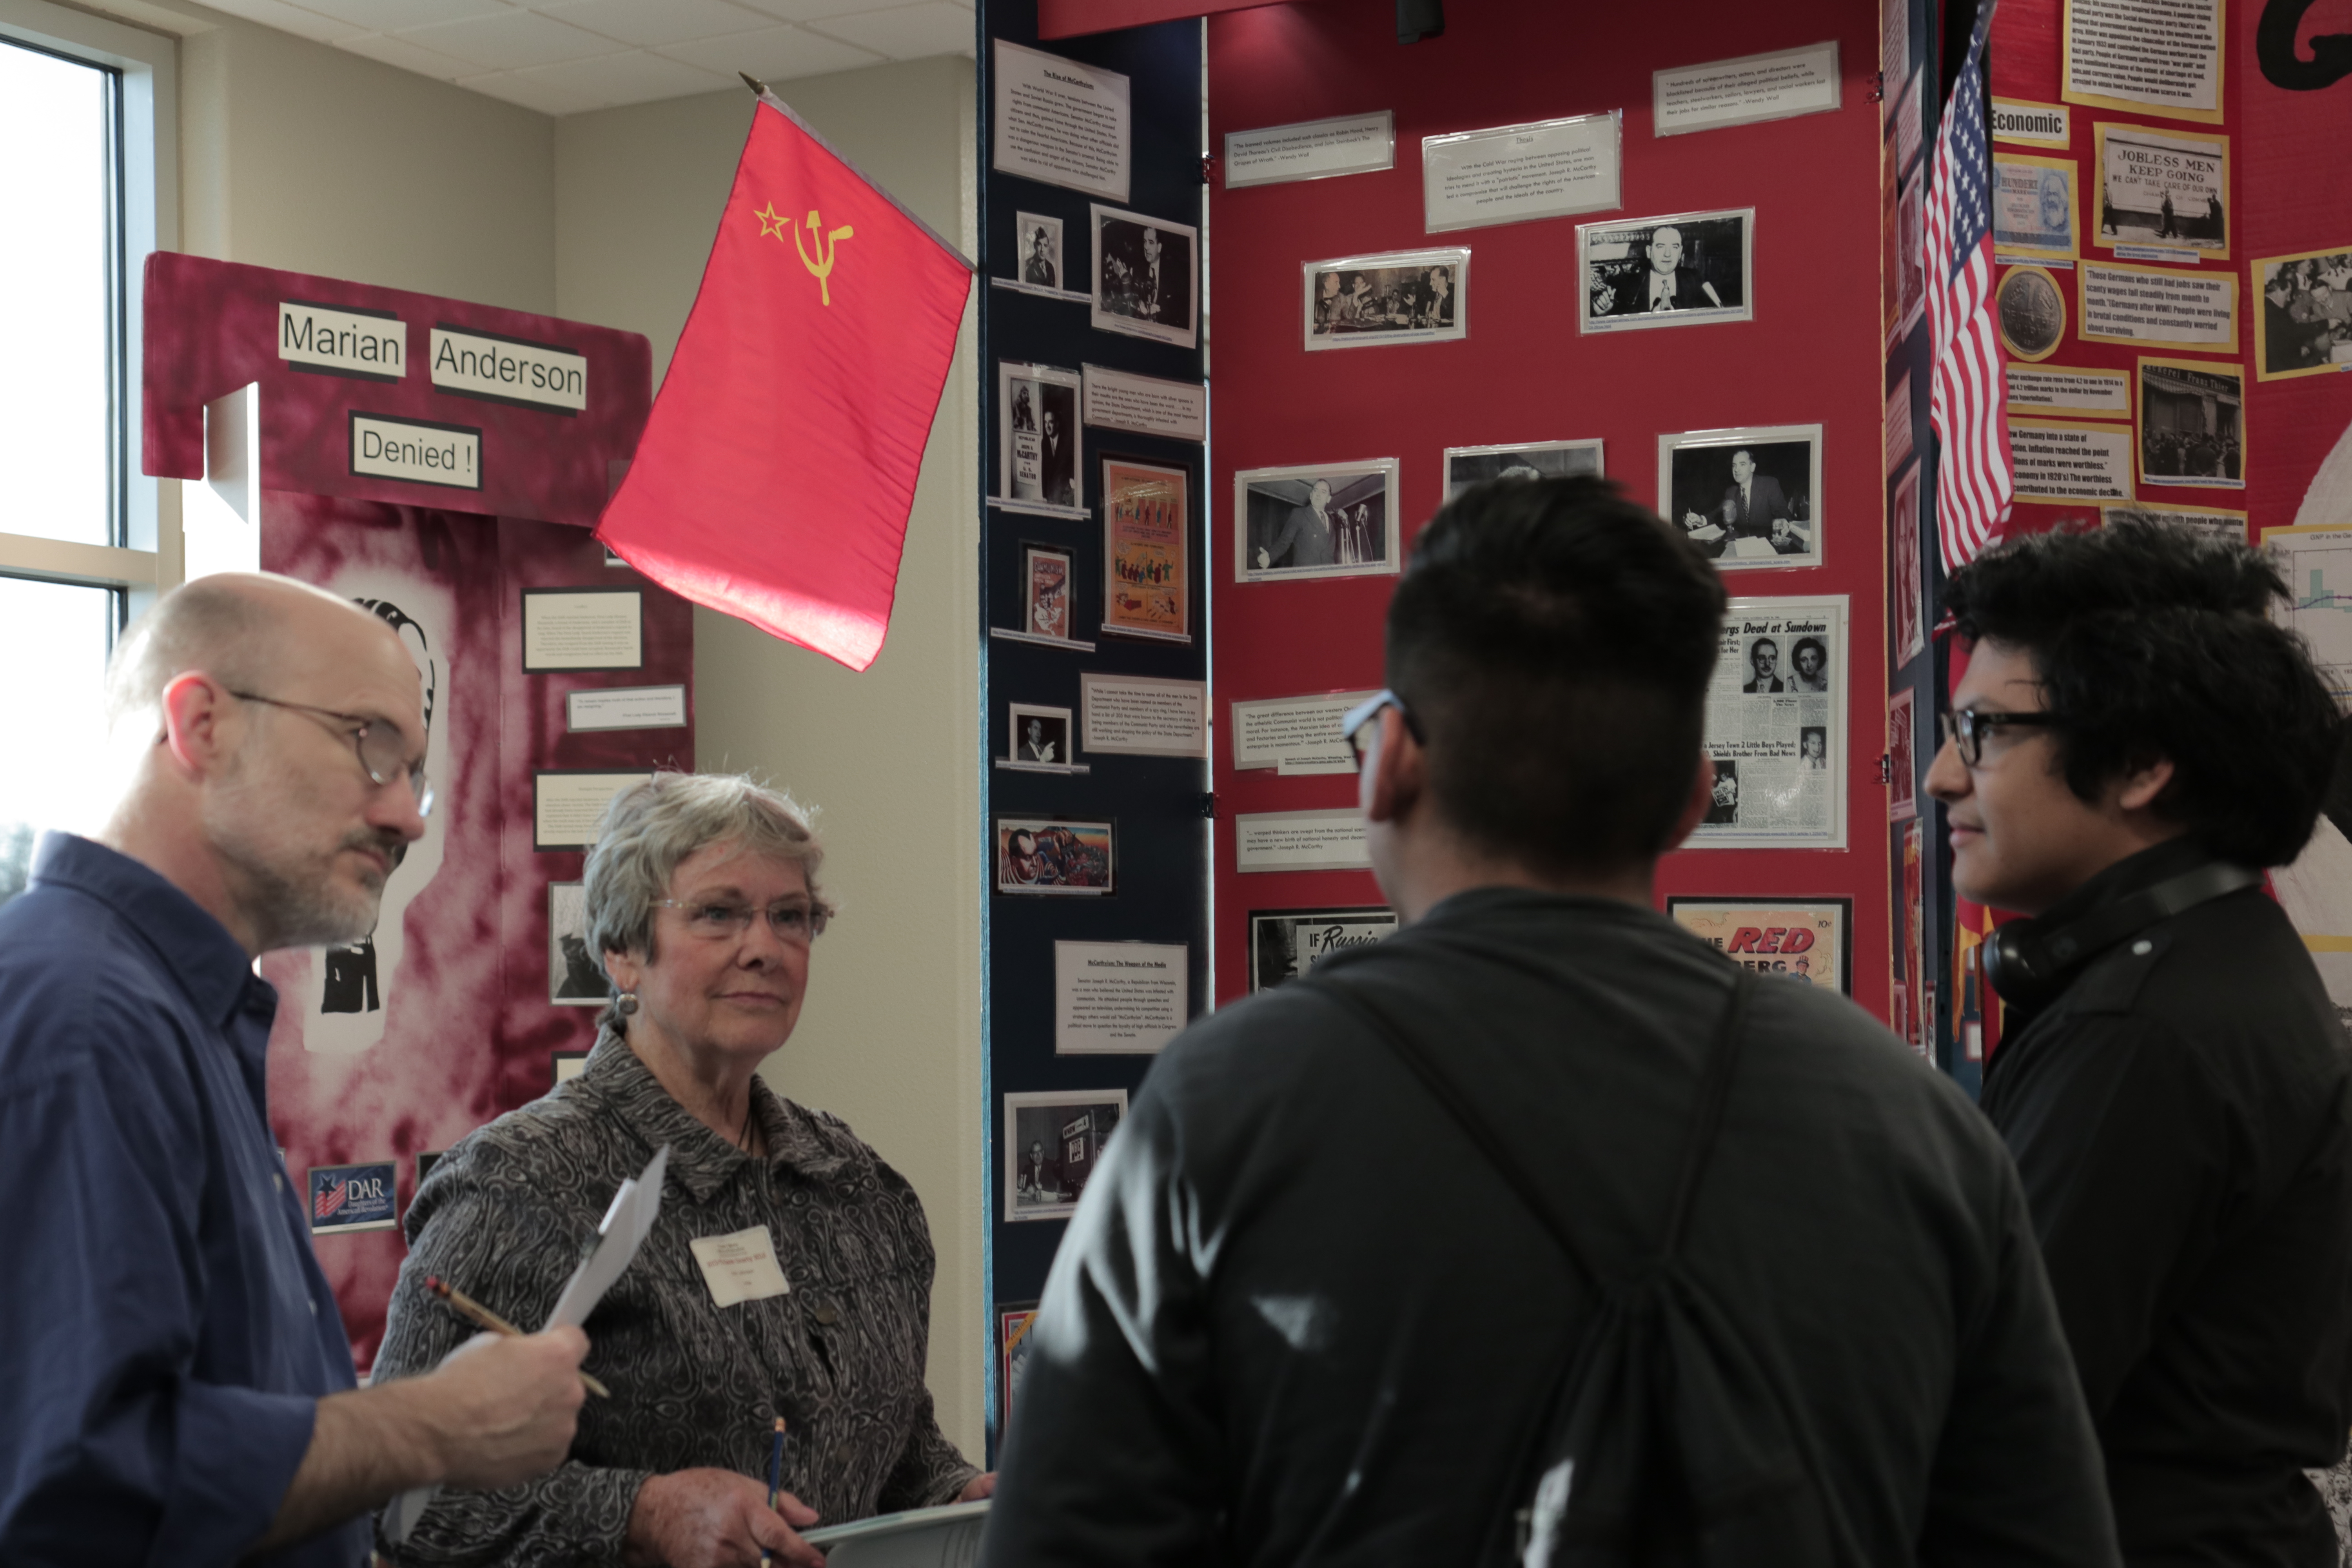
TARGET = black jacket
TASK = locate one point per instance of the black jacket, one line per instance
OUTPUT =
(2183, 1121)
(1299, 1320)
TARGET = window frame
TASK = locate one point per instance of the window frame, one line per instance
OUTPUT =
(146, 560)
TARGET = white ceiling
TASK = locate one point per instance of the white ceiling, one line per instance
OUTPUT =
(561, 57)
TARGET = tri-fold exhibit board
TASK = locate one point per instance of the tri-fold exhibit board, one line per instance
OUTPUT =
(439, 463)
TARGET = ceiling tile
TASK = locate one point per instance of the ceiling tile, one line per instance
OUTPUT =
(407, 55)
(633, 78)
(803, 10)
(509, 40)
(905, 32)
(649, 22)
(775, 54)
(290, 19)
(546, 97)
(392, 15)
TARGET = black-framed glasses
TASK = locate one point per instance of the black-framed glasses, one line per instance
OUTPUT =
(1356, 724)
(797, 921)
(382, 749)
(1969, 726)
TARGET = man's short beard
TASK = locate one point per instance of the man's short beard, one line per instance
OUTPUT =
(290, 900)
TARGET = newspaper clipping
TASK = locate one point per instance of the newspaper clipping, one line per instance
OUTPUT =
(1775, 726)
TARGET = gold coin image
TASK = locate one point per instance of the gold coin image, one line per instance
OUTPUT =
(2032, 311)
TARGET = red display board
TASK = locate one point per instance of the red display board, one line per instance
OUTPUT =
(1523, 372)
(394, 1047)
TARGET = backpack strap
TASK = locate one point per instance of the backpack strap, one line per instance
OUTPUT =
(1706, 1121)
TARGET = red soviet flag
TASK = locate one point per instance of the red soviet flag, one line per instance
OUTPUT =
(778, 466)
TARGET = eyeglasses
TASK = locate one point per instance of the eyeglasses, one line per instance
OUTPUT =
(1356, 724)
(382, 749)
(1969, 726)
(792, 921)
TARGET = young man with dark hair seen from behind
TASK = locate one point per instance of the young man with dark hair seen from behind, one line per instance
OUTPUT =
(1305, 1314)
(2132, 741)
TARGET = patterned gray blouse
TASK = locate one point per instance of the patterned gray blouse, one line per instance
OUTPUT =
(504, 1217)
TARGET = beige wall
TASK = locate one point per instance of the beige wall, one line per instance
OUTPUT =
(300, 156)
(890, 1038)
(312, 159)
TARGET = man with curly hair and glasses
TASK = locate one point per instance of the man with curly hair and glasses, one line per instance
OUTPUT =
(2132, 742)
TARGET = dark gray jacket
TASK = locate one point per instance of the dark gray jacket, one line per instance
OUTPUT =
(1299, 1320)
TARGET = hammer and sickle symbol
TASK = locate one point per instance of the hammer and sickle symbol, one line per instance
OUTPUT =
(825, 243)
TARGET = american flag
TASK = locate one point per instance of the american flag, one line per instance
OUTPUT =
(1966, 401)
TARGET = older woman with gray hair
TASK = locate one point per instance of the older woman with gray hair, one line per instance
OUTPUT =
(789, 1274)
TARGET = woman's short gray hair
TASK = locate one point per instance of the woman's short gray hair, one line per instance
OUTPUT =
(649, 828)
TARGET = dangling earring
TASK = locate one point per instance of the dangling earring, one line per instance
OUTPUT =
(626, 1005)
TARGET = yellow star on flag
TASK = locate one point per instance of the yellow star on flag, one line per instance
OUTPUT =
(772, 223)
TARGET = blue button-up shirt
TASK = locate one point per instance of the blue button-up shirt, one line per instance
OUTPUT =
(165, 1331)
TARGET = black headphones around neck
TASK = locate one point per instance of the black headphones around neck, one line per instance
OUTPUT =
(2030, 966)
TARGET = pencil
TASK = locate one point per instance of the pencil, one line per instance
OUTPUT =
(483, 1318)
(775, 1474)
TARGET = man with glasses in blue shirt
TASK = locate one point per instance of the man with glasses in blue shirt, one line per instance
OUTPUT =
(176, 1385)
(2132, 741)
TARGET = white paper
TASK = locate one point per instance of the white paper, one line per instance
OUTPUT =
(625, 708)
(2230, 526)
(741, 1266)
(1893, 38)
(2059, 390)
(1312, 150)
(1146, 404)
(2163, 54)
(1516, 173)
(2171, 310)
(2032, 124)
(2059, 461)
(1300, 841)
(449, 456)
(1302, 731)
(1144, 716)
(1060, 122)
(924, 1537)
(1775, 86)
(1119, 996)
(1781, 674)
(507, 370)
(2317, 562)
(627, 1222)
(604, 629)
(566, 807)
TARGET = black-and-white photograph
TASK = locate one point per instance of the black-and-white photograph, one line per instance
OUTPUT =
(1398, 297)
(1038, 263)
(1813, 744)
(1038, 441)
(1783, 666)
(1146, 283)
(2307, 313)
(1467, 466)
(1745, 497)
(1337, 520)
(575, 976)
(1037, 736)
(1723, 805)
(1675, 271)
(1288, 943)
(1052, 1144)
(2160, 188)
(2192, 423)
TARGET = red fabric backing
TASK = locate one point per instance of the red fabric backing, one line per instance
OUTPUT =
(1524, 373)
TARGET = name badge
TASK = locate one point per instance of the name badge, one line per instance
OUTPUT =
(741, 1266)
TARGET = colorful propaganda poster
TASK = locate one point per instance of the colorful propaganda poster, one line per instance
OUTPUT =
(1147, 571)
(1809, 940)
(353, 1197)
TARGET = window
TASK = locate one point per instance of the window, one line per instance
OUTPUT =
(60, 445)
(86, 113)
